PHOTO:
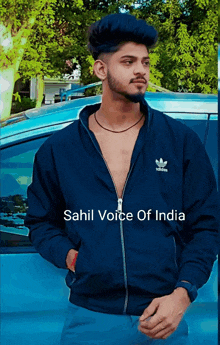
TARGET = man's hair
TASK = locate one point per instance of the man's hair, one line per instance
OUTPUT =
(106, 35)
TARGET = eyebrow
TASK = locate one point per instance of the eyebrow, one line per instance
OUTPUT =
(132, 56)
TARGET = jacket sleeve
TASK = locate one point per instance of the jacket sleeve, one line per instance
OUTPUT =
(46, 207)
(201, 208)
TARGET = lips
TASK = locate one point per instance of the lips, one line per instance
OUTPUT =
(139, 81)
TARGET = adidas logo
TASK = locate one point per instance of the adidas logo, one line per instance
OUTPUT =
(161, 164)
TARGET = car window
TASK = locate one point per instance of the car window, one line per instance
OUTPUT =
(16, 174)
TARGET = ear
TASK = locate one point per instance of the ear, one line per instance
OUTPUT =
(100, 69)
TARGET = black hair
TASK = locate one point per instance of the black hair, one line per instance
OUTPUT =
(106, 35)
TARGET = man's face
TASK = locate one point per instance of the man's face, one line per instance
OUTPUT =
(128, 71)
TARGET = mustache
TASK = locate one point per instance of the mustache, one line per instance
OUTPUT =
(137, 79)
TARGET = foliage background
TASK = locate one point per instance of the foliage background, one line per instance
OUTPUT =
(185, 58)
(48, 38)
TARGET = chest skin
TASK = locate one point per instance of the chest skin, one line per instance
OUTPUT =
(117, 151)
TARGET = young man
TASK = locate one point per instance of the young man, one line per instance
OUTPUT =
(99, 189)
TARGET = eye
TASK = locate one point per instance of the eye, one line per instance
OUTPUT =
(128, 62)
(147, 63)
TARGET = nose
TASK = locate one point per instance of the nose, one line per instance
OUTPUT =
(140, 69)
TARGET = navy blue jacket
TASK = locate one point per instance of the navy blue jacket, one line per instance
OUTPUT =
(123, 264)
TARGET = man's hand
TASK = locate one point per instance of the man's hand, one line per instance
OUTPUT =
(164, 314)
(71, 259)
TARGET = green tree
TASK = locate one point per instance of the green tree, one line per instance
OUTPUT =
(39, 36)
(218, 22)
(187, 47)
(32, 44)
(17, 20)
(49, 46)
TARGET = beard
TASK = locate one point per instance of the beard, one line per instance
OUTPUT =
(116, 86)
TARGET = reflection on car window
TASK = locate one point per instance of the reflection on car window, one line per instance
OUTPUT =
(16, 173)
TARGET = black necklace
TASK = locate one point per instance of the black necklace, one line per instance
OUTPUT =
(124, 130)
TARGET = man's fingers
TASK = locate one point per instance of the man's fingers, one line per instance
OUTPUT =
(150, 332)
(153, 331)
(164, 334)
(149, 311)
(160, 332)
(154, 321)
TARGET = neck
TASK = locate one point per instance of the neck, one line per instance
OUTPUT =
(118, 110)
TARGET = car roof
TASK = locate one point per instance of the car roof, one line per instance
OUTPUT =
(52, 117)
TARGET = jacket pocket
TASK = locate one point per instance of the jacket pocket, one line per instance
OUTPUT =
(70, 278)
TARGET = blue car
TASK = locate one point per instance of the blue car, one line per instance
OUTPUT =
(34, 296)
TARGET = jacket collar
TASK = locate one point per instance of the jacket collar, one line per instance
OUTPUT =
(142, 138)
(90, 109)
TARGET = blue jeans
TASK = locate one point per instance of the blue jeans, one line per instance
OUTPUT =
(83, 326)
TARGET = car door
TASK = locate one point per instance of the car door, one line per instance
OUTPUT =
(33, 292)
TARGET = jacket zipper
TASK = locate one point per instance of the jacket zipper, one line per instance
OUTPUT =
(119, 209)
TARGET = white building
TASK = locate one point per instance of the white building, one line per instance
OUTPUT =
(54, 86)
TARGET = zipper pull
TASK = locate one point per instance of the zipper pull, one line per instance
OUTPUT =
(119, 205)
